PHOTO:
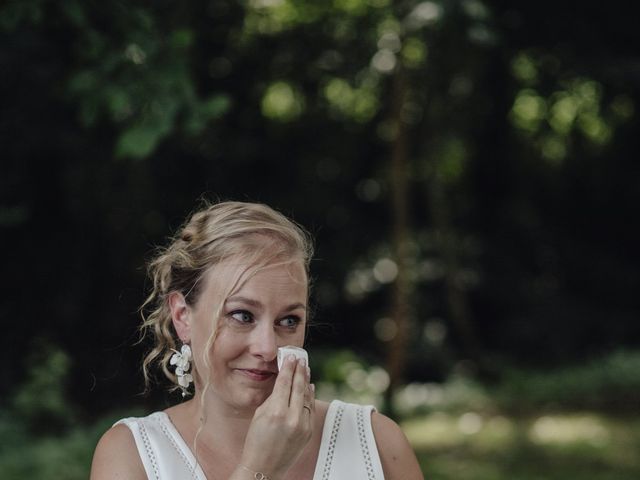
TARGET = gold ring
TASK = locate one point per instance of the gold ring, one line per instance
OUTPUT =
(307, 407)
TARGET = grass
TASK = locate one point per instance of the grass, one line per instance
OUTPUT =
(472, 446)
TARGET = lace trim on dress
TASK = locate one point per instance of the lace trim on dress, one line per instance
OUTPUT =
(147, 447)
(332, 442)
(364, 446)
(190, 465)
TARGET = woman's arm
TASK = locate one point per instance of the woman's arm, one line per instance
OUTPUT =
(116, 456)
(399, 462)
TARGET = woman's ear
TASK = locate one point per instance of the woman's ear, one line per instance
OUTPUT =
(180, 316)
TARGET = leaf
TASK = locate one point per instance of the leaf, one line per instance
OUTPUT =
(216, 106)
(210, 109)
(181, 39)
(140, 140)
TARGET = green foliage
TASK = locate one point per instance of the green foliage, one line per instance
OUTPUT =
(457, 394)
(497, 446)
(64, 456)
(282, 102)
(40, 401)
(203, 112)
(40, 436)
(607, 384)
(576, 107)
(610, 383)
(359, 104)
(344, 374)
(135, 76)
(578, 422)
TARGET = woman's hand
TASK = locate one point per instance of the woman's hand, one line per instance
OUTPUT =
(282, 425)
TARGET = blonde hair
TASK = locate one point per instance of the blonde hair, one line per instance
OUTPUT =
(251, 232)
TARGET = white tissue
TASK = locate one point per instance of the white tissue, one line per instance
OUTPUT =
(298, 352)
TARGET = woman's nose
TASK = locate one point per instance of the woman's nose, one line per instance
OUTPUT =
(264, 342)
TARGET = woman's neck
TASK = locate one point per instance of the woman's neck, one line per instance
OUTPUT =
(218, 424)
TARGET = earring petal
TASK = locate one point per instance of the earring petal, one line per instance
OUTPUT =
(181, 360)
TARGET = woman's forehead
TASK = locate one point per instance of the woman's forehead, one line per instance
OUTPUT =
(234, 275)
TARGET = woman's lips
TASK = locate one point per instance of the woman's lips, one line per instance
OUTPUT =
(257, 375)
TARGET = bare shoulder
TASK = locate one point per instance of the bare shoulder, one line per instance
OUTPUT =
(116, 456)
(397, 457)
(321, 407)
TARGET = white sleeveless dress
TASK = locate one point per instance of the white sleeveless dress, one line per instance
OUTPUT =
(347, 451)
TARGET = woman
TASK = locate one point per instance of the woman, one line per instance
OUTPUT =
(229, 290)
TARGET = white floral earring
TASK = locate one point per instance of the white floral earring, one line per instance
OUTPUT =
(182, 360)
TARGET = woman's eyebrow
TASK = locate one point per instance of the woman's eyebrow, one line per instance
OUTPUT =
(257, 303)
(241, 299)
(296, 306)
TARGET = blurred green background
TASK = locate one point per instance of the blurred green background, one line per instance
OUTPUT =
(468, 168)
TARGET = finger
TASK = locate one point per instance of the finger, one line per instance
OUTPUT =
(284, 381)
(309, 400)
(310, 396)
(299, 387)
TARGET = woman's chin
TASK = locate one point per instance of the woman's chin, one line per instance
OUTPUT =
(250, 399)
(256, 399)
(243, 396)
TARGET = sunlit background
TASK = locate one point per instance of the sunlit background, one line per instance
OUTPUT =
(468, 168)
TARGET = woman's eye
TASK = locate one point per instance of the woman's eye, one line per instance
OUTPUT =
(290, 322)
(242, 316)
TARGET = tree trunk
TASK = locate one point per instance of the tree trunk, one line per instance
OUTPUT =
(401, 292)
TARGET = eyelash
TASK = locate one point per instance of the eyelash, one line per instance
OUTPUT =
(296, 319)
(241, 312)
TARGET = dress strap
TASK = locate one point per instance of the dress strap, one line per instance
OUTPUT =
(348, 448)
(163, 452)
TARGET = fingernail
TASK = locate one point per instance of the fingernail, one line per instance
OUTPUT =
(308, 371)
(291, 358)
(302, 361)
(312, 386)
